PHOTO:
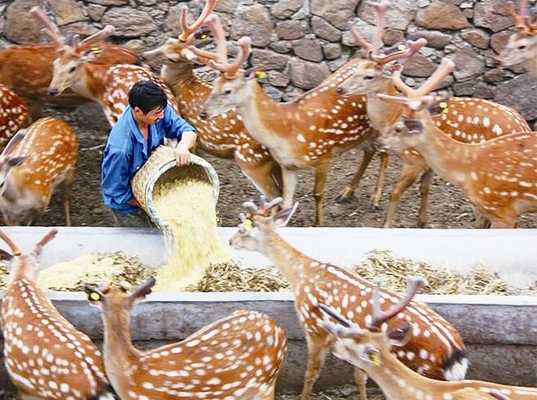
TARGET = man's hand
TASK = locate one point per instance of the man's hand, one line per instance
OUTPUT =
(182, 155)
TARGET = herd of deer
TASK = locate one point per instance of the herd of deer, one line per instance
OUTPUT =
(482, 147)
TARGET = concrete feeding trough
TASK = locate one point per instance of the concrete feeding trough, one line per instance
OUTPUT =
(500, 331)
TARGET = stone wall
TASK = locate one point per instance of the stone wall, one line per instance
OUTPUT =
(300, 42)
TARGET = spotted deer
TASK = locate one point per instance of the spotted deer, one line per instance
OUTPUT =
(27, 69)
(374, 350)
(467, 120)
(45, 356)
(32, 165)
(435, 348)
(223, 136)
(236, 357)
(75, 68)
(522, 45)
(14, 114)
(301, 134)
(498, 176)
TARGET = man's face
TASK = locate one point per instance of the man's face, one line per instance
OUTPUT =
(151, 117)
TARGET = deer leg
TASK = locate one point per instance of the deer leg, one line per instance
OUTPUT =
(425, 188)
(347, 193)
(317, 349)
(289, 187)
(321, 172)
(481, 222)
(375, 199)
(408, 176)
(265, 175)
(360, 379)
(67, 189)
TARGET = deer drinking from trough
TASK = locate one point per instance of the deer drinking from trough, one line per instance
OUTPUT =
(467, 120)
(32, 165)
(301, 134)
(236, 357)
(45, 356)
(75, 68)
(435, 349)
(522, 45)
(368, 347)
(223, 136)
(14, 114)
(498, 176)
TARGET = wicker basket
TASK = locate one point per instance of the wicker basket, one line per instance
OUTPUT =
(161, 166)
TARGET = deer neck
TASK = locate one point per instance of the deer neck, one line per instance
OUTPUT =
(289, 261)
(381, 113)
(531, 66)
(447, 157)
(398, 382)
(176, 75)
(118, 352)
(91, 83)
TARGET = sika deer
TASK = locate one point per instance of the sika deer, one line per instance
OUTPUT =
(438, 344)
(75, 68)
(45, 356)
(14, 114)
(32, 165)
(301, 134)
(522, 45)
(373, 350)
(467, 120)
(498, 176)
(224, 136)
(236, 357)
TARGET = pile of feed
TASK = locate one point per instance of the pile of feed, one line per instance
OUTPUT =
(187, 207)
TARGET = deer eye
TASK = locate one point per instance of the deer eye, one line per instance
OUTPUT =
(522, 47)
(72, 69)
(368, 77)
(227, 91)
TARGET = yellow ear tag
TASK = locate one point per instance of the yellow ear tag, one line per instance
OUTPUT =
(204, 36)
(96, 50)
(248, 224)
(374, 357)
(401, 47)
(94, 296)
(444, 107)
(261, 74)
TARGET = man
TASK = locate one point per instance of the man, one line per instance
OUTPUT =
(139, 131)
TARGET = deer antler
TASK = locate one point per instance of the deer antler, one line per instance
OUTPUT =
(443, 70)
(51, 29)
(187, 32)
(104, 33)
(230, 70)
(403, 55)
(377, 43)
(47, 238)
(14, 249)
(379, 317)
(215, 26)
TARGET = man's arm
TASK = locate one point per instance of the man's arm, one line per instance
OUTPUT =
(115, 185)
(177, 128)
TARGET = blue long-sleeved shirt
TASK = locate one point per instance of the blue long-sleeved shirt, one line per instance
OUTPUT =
(127, 150)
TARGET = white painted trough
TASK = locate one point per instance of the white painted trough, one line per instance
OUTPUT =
(500, 331)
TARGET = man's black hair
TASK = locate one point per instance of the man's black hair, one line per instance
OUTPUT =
(147, 96)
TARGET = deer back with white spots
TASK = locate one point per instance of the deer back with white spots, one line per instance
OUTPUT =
(374, 351)
(45, 356)
(468, 120)
(498, 175)
(75, 68)
(435, 348)
(522, 45)
(32, 165)
(225, 135)
(304, 133)
(14, 114)
(237, 357)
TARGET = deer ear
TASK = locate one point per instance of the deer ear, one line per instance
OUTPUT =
(282, 217)
(5, 256)
(413, 125)
(95, 296)
(143, 290)
(438, 107)
(16, 161)
(399, 336)
(251, 73)
(88, 56)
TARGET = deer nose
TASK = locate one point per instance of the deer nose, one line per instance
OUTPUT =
(203, 115)
(340, 91)
(53, 92)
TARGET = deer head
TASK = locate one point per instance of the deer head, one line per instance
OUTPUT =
(258, 222)
(371, 74)
(417, 108)
(522, 45)
(367, 348)
(118, 300)
(176, 50)
(24, 266)
(67, 66)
